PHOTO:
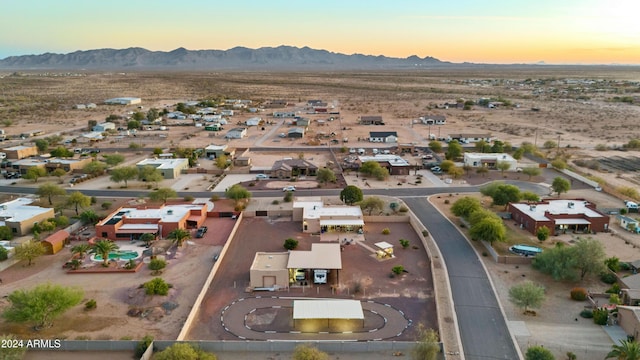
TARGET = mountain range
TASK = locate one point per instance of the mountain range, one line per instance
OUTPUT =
(238, 58)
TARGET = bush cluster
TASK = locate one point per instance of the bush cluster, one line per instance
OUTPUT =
(578, 294)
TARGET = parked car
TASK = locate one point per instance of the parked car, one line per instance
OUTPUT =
(289, 188)
(300, 275)
(203, 229)
(262, 176)
(436, 170)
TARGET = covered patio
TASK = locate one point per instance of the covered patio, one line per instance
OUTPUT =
(340, 315)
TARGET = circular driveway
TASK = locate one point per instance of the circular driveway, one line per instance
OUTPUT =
(269, 318)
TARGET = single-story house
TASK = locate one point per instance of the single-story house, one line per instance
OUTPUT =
(297, 133)
(128, 223)
(371, 120)
(55, 242)
(433, 119)
(253, 121)
(170, 168)
(629, 320)
(302, 122)
(383, 136)
(236, 133)
(629, 224)
(67, 164)
(559, 216)
(102, 127)
(226, 112)
(214, 151)
(316, 217)
(20, 152)
(123, 101)
(284, 114)
(287, 168)
(396, 165)
(19, 216)
(489, 160)
(91, 136)
(274, 104)
(470, 138)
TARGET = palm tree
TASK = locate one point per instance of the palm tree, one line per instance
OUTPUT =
(178, 236)
(627, 350)
(81, 250)
(103, 248)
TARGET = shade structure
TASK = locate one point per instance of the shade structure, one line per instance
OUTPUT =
(327, 309)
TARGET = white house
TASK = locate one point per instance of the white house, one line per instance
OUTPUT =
(383, 136)
(102, 127)
(489, 160)
(226, 112)
(470, 138)
(254, 121)
(236, 133)
(433, 119)
(170, 168)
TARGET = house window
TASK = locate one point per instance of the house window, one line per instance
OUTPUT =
(104, 234)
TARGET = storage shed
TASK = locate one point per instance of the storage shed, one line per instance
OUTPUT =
(55, 242)
(269, 271)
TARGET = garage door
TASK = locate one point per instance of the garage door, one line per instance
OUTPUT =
(268, 281)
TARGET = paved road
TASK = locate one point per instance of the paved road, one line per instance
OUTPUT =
(483, 329)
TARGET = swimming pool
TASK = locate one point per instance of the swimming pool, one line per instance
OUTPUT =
(121, 255)
(525, 250)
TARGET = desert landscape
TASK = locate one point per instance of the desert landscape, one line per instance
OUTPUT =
(582, 113)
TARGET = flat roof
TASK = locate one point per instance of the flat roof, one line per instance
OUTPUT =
(270, 261)
(321, 256)
(18, 148)
(490, 156)
(163, 163)
(557, 207)
(327, 309)
(342, 222)
(167, 213)
(383, 245)
(393, 160)
(138, 227)
(20, 210)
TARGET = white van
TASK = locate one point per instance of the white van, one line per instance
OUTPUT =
(361, 151)
(320, 276)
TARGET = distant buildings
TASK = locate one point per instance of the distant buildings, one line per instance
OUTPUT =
(489, 160)
(559, 216)
(123, 101)
(20, 217)
(102, 127)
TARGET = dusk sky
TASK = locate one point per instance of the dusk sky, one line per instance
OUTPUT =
(490, 31)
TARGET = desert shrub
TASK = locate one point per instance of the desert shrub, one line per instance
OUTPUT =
(156, 265)
(600, 316)
(625, 266)
(275, 202)
(446, 201)
(91, 304)
(614, 299)
(143, 345)
(425, 233)
(188, 198)
(215, 198)
(613, 263)
(586, 313)
(571, 356)
(614, 289)
(608, 278)
(578, 294)
(386, 231)
(308, 352)
(403, 209)
(290, 244)
(156, 286)
(4, 254)
(288, 197)
(398, 269)
(404, 243)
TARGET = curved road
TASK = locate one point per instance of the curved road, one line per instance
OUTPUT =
(483, 329)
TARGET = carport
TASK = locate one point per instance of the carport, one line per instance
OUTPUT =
(329, 309)
(321, 256)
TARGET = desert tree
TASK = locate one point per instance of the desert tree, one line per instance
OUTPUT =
(124, 173)
(454, 150)
(78, 200)
(89, 217)
(49, 190)
(113, 159)
(560, 185)
(372, 203)
(35, 172)
(42, 304)
(351, 195)
(94, 168)
(531, 171)
(446, 165)
(526, 295)
(59, 173)
(162, 194)
(325, 175)
(427, 346)
(435, 146)
(29, 250)
(488, 229)
(538, 352)
(464, 206)
(543, 233)
(559, 262)
(237, 193)
(455, 172)
(150, 174)
(147, 238)
(81, 249)
(503, 166)
(61, 152)
(559, 164)
(589, 256)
